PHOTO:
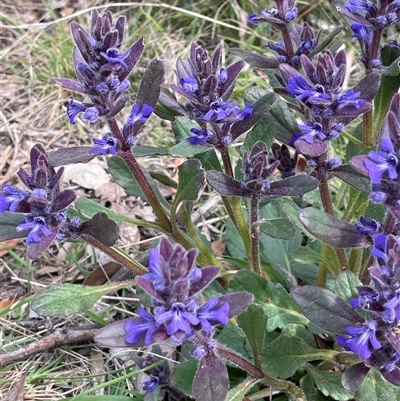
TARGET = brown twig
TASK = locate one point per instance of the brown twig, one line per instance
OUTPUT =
(56, 339)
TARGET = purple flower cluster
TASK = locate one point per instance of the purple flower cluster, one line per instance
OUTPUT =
(320, 90)
(208, 86)
(369, 21)
(102, 71)
(174, 283)
(377, 340)
(44, 204)
(383, 166)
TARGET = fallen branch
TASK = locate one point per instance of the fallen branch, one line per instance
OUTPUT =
(56, 339)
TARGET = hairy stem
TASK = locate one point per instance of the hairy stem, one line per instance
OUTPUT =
(255, 264)
(137, 172)
(116, 254)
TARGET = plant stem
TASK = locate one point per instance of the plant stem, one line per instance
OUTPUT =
(117, 255)
(137, 172)
(368, 137)
(279, 385)
(327, 203)
(233, 206)
(255, 264)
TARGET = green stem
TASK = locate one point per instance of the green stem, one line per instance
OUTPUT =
(117, 255)
(255, 264)
(233, 206)
(327, 203)
(368, 137)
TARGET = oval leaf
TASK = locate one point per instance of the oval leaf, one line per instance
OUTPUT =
(331, 230)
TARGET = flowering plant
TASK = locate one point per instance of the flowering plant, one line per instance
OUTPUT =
(311, 309)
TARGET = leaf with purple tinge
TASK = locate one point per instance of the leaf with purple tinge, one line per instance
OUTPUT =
(325, 309)
(392, 376)
(70, 84)
(358, 163)
(208, 274)
(36, 249)
(255, 59)
(311, 149)
(352, 176)
(238, 302)
(353, 376)
(296, 185)
(101, 228)
(330, 229)
(135, 51)
(149, 90)
(71, 155)
(224, 184)
(63, 199)
(211, 381)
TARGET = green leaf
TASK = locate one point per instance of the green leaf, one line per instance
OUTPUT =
(104, 398)
(66, 299)
(191, 179)
(345, 285)
(262, 131)
(280, 228)
(89, 208)
(124, 177)
(285, 355)
(330, 384)
(141, 151)
(389, 86)
(276, 251)
(234, 337)
(282, 118)
(238, 393)
(8, 222)
(307, 384)
(273, 298)
(376, 388)
(209, 160)
(253, 322)
(183, 375)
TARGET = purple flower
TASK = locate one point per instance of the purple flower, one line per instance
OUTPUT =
(90, 112)
(189, 84)
(207, 313)
(383, 161)
(358, 5)
(350, 98)
(178, 319)
(311, 131)
(361, 32)
(36, 225)
(151, 384)
(361, 339)
(11, 197)
(302, 90)
(291, 14)
(114, 58)
(366, 297)
(137, 326)
(220, 110)
(247, 112)
(222, 76)
(379, 249)
(139, 114)
(106, 145)
(369, 227)
(155, 275)
(200, 136)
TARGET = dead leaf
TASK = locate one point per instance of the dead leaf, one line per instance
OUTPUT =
(9, 244)
(90, 175)
(17, 392)
(102, 274)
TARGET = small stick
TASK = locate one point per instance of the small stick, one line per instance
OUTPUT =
(56, 339)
